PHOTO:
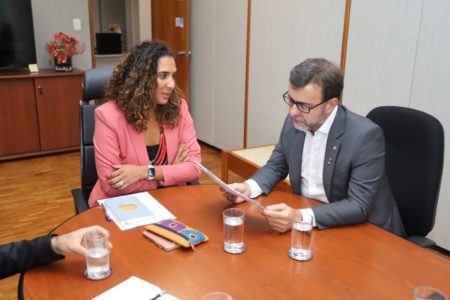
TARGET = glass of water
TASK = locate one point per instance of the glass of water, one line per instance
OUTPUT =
(428, 293)
(301, 240)
(97, 259)
(217, 296)
(233, 224)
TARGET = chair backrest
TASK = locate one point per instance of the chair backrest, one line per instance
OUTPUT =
(414, 163)
(94, 85)
(95, 82)
(88, 169)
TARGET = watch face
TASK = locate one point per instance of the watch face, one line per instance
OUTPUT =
(151, 172)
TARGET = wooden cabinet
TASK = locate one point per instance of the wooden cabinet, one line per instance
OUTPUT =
(39, 113)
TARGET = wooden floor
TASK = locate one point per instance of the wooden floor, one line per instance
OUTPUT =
(35, 197)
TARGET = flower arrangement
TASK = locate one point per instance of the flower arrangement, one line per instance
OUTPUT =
(63, 47)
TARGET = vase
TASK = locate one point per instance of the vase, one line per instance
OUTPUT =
(66, 67)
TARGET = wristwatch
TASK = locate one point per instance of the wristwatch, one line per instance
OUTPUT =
(151, 172)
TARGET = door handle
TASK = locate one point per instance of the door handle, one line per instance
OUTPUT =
(188, 52)
(39, 88)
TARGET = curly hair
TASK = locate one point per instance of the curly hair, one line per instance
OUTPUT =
(133, 86)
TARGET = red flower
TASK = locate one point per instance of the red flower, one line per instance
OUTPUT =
(63, 46)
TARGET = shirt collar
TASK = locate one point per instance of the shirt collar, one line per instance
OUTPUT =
(325, 128)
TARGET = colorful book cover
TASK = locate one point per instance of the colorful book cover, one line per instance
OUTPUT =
(127, 209)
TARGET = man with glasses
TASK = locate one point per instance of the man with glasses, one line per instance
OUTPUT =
(330, 153)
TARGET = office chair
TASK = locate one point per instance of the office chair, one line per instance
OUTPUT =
(93, 88)
(414, 163)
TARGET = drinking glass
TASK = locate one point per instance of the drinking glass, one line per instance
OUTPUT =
(301, 240)
(97, 259)
(428, 293)
(217, 296)
(233, 224)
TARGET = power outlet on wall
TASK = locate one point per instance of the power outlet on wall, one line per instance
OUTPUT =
(77, 24)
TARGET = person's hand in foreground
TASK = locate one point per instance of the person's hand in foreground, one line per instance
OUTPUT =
(242, 188)
(72, 241)
(281, 216)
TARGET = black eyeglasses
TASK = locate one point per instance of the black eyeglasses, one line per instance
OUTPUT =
(303, 107)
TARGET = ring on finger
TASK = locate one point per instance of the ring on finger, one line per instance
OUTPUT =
(121, 183)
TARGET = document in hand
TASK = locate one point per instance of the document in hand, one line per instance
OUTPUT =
(135, 210)
(225, 186)
(136, 289)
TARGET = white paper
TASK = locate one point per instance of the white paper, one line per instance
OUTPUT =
(134, 288)
(225, 186)
(159, 211)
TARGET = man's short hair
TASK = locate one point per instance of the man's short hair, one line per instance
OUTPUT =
(321, 72)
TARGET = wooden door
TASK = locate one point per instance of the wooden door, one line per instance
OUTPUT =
(58, 111)
(19, 131)
(170, 23)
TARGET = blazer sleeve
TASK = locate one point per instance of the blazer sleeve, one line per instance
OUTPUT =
(109, 137)
(20, 256)
(185, 171)
(367, 171)
(276, 168)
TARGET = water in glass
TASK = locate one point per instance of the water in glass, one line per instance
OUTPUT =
(301, 241)
(97, 263)
(234, 235)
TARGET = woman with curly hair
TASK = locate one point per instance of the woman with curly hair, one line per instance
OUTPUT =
(144, 135)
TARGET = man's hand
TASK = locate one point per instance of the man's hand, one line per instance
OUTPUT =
(71, 242)
(242, 188)
(126, 175)
(281, 216)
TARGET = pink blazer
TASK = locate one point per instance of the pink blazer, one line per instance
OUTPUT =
(117, 142)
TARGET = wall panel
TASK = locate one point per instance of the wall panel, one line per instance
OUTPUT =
(218, 43)
(202, 68)
(431, 93)
(380, 53)
(284, 33)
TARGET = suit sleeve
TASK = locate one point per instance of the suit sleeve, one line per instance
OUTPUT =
(185, 171)
(276, 168)
(366, 175)
(20, 256)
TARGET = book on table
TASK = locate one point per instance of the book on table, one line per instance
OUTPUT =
(134, 210)
(137, 289)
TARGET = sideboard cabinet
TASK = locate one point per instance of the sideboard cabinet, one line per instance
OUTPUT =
(39, 112)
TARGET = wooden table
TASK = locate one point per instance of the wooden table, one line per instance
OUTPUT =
(353, 262)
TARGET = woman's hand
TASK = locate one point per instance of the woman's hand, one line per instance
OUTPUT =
(126, 175)
(182, 155)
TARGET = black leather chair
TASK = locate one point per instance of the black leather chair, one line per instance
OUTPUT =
(414, 163)
(93, 88)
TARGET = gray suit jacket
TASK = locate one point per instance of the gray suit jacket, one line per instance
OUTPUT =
(354, 175)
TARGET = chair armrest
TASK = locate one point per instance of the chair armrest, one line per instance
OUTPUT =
(421, 241)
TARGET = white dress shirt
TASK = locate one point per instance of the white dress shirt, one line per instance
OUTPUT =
(312, 167)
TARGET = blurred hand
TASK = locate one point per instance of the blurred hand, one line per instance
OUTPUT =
(126, 175)
(71, 242)
(280, 216)
(182, 154)
(242, 188)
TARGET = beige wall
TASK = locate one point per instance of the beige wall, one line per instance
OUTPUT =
(52, 16)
